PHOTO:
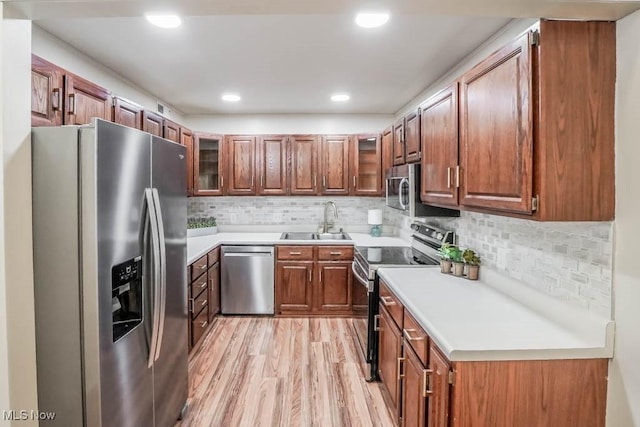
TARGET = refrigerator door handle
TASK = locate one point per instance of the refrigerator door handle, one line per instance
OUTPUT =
(163, 271)
(156, 272)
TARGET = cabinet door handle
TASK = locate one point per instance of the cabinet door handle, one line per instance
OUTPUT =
(315, 179)
(55, 99)
(335, 253)
(221, 182)
(204, 324)
(449, 177)
(252, 181)
(457, 176)
(324, 182)
(72, 103)
(204, 285)
(202, 267)
(425, 383)
(191, 307)
(320, 275)
(295, 253)
(376, 322)
(354, 181)
(386, 302)
(407, 335)
(400, 374)
(310, 275)
(203, 303)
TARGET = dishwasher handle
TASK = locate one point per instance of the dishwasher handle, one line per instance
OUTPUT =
(249, 254)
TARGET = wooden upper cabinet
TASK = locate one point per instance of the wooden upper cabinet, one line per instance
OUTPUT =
(152, 123)
(171, 131)
(398, 142)
(241, 152)
(304, 164)
(85, 100)
(334, 164)
(186, 139)
(387, 150)
(271, 165)
(47, 82)
(366, 167)
(496, 138)
(412, 137)
(439, 134)
(575, 141)
(127, 113)
(208, 164)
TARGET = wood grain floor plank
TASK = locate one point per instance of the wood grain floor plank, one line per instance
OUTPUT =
(262, 371)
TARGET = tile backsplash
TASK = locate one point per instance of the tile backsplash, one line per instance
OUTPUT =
(282, 210)
(570, 261)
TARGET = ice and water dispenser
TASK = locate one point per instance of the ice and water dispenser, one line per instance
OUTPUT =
(126, 296)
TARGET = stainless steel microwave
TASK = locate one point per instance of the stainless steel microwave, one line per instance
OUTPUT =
(403, 193)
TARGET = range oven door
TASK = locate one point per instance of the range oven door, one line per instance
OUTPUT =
(364, 323)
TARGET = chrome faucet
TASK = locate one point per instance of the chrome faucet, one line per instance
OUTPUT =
(328, 224)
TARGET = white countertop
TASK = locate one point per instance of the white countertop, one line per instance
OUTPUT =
(469, 320)
(199, 246)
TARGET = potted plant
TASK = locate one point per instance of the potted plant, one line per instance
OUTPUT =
(458, 261)
(445, 257)
(201, 226)
(472, 260)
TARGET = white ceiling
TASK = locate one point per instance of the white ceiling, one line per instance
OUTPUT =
(288, 56)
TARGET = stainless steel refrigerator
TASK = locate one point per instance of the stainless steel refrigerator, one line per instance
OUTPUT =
(109, 231)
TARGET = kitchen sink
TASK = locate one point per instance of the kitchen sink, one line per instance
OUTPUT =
(333, 236)
(314, 236)
(298, 236)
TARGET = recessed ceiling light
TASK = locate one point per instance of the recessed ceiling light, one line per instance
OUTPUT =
(231, 97)
(340, 97)
(371, 20)
(164, 21)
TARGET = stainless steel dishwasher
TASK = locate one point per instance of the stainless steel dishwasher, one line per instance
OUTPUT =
(247, 276)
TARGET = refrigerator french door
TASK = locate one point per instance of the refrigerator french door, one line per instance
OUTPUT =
(109, 229)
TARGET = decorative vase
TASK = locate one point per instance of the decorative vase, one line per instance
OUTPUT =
(458, 269)
(472, 272)
(445, 266)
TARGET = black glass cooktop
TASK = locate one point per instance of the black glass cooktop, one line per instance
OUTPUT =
(393, 255)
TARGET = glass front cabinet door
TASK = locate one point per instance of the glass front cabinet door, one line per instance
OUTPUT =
(366, 167)
(209, 164)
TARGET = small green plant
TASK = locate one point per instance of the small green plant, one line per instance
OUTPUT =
(445, 251)
(201, 222)
(456, 254)
(470, 257)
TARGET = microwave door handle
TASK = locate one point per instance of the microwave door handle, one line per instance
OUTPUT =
(401, 193)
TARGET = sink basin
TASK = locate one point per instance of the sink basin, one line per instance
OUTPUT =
(333, 236)
(298, 236)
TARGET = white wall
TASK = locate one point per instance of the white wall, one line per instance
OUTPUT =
(4, 341)
(64, 55)
(290, 123)
(623, 407)
(16, 164)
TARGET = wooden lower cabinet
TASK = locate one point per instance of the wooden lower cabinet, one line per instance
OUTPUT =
(314, 280)
(214, 290)
(390, 358)
(203, 295)
(294, 287)
(438, 392)
(414, 402)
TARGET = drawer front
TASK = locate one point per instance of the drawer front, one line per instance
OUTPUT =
(200, 302)
(198, 326)
(392, 304)
(302, 253)
(335, 253)
(199, 286)
(198, 268)
(213, 256)
(416, 337)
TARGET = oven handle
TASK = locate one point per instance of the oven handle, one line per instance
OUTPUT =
(357, 275)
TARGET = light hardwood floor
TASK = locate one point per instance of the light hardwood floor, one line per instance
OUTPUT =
(262, 371)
